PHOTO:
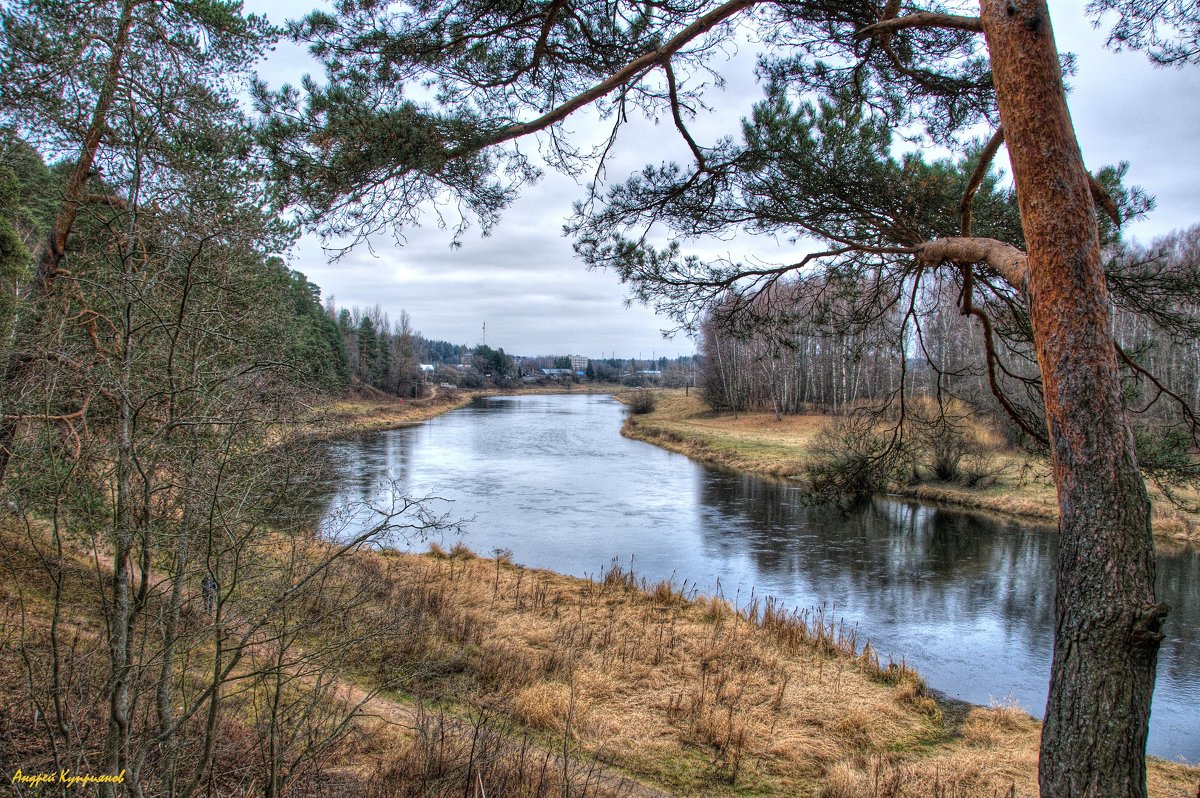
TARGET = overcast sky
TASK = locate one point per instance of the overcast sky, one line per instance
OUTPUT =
(525, 283)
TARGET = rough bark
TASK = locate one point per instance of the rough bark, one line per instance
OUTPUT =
(1004, 259)
(1107, 623)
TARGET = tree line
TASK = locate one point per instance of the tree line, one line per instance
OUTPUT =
(805, 349)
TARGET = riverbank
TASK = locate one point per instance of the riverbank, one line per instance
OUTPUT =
(356, 414)
(691, 696)
(458, 672)
(353, 415)
(759, 443)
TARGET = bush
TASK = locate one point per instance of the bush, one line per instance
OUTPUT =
(857, 458)
(945, 451)
(642, 402)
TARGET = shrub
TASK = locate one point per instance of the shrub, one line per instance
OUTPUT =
(642, 402)
(857, 458)
(460, 551)
(945, 451)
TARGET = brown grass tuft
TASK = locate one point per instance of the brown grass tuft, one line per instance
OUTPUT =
(460, 551)
(552, 706)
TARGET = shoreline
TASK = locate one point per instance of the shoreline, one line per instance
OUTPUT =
(691, 695)
(742, 442)
(697, 697)
(348, 416)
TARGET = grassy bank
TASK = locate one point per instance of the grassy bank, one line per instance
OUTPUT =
(694, 697)
(351, 415)
(473, 672)
(759, 443)
(355, 414)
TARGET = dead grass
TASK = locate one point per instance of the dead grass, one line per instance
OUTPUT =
(549, 685)
(461, 551)
(758, 443)
(698, 697)
(485, 755)
(353, 415)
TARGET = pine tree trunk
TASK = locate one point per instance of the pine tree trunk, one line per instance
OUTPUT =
(1107, 624)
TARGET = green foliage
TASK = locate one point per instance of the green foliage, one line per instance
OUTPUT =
(180, 61)
(14, 255)
(1167, 452)
(35, 200)
(493, 361)
(15, 258)
(368, 351)
(315, 352)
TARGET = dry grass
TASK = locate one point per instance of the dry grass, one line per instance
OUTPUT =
(700, 698)
(460, 551)
(759, 443)
(748, 441)
(360, 414)
(548, 685)
(482, 756)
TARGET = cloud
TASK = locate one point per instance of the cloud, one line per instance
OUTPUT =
(535, 297)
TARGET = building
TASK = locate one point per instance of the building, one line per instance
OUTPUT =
(578, 363)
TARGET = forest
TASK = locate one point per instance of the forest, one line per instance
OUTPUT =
(167, 603)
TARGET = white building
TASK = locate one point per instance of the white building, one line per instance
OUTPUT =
(578, 363)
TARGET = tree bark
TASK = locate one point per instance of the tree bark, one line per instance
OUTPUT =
(1107, 623)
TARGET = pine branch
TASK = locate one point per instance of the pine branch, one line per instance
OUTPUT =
(921, 19)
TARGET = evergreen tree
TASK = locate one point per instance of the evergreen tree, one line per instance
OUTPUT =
(368, 351)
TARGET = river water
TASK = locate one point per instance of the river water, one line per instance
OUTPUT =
(966, 600)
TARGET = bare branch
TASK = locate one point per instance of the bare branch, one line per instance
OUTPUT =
(104, 199)
(674, 94)
(981, 169)
(539, 49)
(1004, 259)
(1184, 408)
(701, 26)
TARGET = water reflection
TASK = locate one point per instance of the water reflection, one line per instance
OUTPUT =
(967, 600)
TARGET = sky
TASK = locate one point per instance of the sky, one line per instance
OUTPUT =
(535, 297)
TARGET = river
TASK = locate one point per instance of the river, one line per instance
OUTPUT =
(966, 600)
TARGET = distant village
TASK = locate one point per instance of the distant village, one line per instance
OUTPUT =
(482, 366)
